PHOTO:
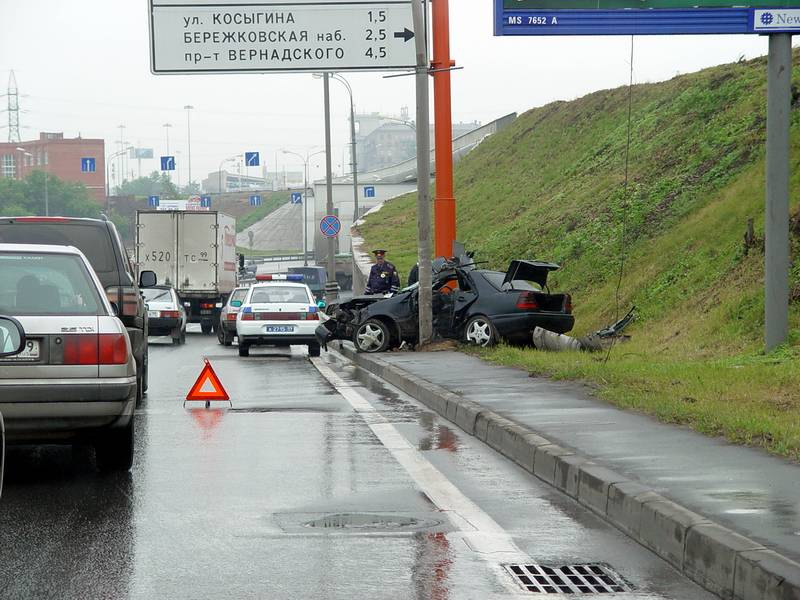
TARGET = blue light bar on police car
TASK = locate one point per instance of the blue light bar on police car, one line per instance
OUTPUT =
(280, 277)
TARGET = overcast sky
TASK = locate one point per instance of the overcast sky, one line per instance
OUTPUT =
(82, 67)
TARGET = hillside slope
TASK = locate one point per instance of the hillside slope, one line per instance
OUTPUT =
(552, 187)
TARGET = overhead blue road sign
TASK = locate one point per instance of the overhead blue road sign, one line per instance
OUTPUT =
(255, 200)
(167, 163)
(297, 198)
(88, 165)
(205, 201)
(369, 191)
(330, 225)
(251, 159)
(153, 201)
(643, 17)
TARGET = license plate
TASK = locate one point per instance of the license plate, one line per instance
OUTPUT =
(29, 354)
(279, 328)
(206, 312)
(153, 314)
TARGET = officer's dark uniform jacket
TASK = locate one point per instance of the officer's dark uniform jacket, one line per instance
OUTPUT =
(383, 278)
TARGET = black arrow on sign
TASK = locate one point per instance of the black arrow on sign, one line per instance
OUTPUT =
(406, 34)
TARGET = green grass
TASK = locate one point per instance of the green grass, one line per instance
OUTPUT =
(271, 201)
(551, 187)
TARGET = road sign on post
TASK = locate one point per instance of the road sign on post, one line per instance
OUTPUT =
(643, 17)
(251, 159)
(297, 198)
(255, 200)
(205, 201)
(229, 36)
(167, 163)
(369, 191)
(153, 201)
(330, 226)
(88, 165)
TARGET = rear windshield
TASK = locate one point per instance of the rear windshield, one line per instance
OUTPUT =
(276, 294)
(92, 240)
(157, 295)
(46, 284)
(310, 276)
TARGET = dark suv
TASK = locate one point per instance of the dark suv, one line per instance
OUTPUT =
(99, 241)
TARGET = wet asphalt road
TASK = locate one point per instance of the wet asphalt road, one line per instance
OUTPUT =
(221, 502)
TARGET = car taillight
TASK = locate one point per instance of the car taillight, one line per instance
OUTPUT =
(126, 299)
(207, 305)
(568, 303)
(101, 349)
(248, 316)
(170, 314)
(231, 317)
(113, 349)
(527, 301)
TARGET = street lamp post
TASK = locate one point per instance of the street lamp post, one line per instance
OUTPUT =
(108, 182)
(188, 109)
(121, 155)
(219, 173)
(305, 198)
(46, 196)
(354, 162)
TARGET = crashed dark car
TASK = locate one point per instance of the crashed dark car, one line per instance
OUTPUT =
(473, 305)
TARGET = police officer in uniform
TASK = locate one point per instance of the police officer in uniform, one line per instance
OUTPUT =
(383, 277)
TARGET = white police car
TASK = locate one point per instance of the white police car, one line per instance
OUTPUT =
(278, 311)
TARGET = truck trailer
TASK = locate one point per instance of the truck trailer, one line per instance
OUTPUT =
(194, 252)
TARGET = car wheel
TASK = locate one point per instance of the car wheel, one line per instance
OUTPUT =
(313, 350)
(114, 450)
(244, 349)
(206, 327)
(145, 379)
(183, 336)
(221, 336)
(480, 332)
(372, 336)
(227, 339)
(139, 391)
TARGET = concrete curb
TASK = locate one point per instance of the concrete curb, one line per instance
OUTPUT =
(719, 559)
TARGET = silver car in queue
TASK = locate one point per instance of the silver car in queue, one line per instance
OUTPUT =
(76, 378)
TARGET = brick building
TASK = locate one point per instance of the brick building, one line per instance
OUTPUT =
(59, 157)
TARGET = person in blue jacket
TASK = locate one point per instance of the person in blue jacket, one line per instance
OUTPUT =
(383, 277)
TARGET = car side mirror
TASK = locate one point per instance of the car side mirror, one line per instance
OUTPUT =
(115, 309)
(236, 303)
(12, 337)
(147, 279)
(321, 304)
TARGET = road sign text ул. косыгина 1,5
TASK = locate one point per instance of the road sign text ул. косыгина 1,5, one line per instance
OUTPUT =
(272, 35)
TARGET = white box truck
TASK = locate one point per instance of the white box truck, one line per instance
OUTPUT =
(194, 252)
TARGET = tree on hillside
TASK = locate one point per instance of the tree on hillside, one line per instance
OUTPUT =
(191, 189)
(155, 184)
(30, 195)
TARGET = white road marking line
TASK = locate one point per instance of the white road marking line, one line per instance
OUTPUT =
(480, 532)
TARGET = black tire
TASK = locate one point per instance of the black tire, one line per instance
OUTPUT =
(372, 336)
(206, 327)
(313, 350)
(139, 391)
(183, 336)
(244, 349)
(114, 449)
(479, 331)
(145, 379)
(227, 340)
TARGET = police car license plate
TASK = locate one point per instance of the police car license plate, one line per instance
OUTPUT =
(279, 328)
(29, 354)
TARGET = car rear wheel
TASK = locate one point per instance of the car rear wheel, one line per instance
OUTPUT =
(244, 349)
(139, 390)
(480, 332)
(313, 350)
(114, 450)
(372, 336)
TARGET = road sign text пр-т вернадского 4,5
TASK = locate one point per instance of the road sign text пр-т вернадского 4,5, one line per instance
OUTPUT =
(236, 36)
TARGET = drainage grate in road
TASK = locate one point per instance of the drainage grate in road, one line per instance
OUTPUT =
(364, 521)
(592, 578)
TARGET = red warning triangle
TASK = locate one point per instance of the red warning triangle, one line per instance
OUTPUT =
(207, 378)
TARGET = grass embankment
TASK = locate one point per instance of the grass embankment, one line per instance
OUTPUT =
(551, 187)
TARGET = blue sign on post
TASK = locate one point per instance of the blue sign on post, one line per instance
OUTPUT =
(369, 191)
(251, 159)
(255, 200)
(153, 201)
(637, 17)
(297, 198)
(88, 165)
(330, 225)
(167, 163)
(205, 201)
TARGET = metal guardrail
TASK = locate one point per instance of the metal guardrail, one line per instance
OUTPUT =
(280, 258)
